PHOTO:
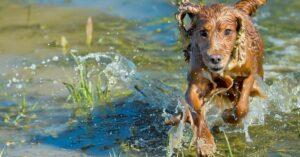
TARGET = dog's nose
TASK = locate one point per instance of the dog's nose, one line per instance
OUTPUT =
(215, 58)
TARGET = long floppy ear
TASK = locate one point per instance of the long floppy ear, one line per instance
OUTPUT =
(190, 9)
(248, 40)
(240, 49)
(249, 6)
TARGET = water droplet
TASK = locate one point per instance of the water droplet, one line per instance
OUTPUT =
(55, 58)
(32, 67)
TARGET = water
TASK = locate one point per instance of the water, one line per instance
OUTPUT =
(135, 49)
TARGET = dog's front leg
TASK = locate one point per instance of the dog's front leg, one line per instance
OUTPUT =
(205, 140)
(240, 110)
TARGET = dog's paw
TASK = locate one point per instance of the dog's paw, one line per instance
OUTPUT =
(205, 148)
(229, 116)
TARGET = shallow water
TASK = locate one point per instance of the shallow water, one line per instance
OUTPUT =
(140, 58)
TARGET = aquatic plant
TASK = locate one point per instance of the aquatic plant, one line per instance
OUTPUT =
(89, 31)
(64, 44)
(84, 92)
(22, 114)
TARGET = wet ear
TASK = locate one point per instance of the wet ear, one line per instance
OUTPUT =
(184, 22)
(187, 21)
(249, 6)
(239, 54)
(185, 15)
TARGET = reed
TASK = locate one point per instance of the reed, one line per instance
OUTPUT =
(64, 45)
(89, 31)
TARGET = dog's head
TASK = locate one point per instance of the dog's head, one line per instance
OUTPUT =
(218, 33)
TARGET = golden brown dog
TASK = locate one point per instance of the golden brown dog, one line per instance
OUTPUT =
(225, 53)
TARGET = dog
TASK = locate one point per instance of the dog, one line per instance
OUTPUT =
(225, 55)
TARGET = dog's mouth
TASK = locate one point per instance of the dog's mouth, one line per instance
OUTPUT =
(216, 69)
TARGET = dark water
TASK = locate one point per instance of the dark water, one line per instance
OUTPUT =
(151, 79)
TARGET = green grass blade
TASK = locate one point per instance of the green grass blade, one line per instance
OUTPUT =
(228, 145)
(2, 151)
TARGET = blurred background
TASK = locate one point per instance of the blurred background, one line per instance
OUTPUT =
(99, 77)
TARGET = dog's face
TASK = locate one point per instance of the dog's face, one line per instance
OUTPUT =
(218, 34)
(214, 34)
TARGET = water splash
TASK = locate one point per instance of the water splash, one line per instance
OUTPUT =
(116, 68)
(283, 97)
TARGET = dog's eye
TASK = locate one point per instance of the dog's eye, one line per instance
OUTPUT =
(227, 31)
(203, 33)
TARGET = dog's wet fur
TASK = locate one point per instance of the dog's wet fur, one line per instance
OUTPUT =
(225, 54)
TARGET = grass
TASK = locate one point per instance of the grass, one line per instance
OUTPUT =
(2, 151)
(82, 92)
(114, 154)
(228, 145)
(22, 114)
(85, 93)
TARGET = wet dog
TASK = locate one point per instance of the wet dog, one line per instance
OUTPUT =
(225, 54)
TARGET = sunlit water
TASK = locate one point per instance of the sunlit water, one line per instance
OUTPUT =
(135, 51)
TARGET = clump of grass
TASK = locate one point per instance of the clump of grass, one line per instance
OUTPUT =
(128, 148)
(84, 92)
(22, 114)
